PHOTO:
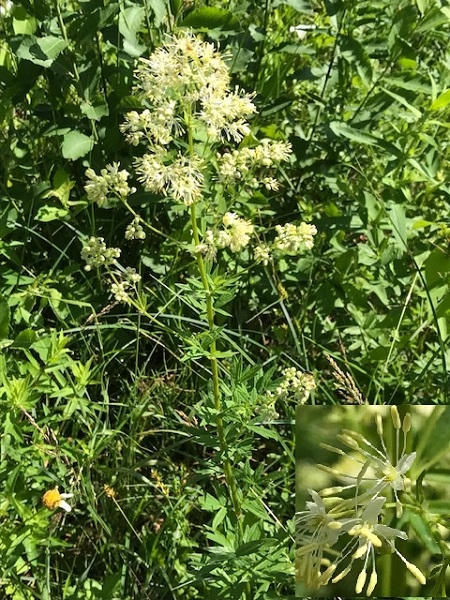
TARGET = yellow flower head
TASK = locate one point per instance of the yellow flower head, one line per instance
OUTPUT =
(53, 499)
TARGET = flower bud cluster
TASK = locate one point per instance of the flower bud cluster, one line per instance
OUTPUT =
(110, 185)
(349, 528)
(96, 254)
(291, 238)
(239, 165)
(134, 230)
(159, 125)
(295, 385)
(125, 282)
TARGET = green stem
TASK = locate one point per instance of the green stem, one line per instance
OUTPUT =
(210, 315)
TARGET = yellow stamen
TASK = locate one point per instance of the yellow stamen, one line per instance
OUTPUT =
(360, 581)
(372, 583)
(395, 418)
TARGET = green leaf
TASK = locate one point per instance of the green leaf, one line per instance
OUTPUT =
(422, 5)
(50, 213)
(23, 23)
(41, 51)
(362, 137)
(25, 339)
(401, 100)
(354, 53)
(333, 7)
(94, 111)
(423, 532)
(76, 144)
(52, 46)
(211, 18)
(437, 266)
(433, 19)
(61, 187)
(160, 10)
(398, 220)
(130, 23)
(442, 101)
(4, 317)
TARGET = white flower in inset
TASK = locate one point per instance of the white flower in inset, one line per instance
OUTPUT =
(377, 465)
(369, 534)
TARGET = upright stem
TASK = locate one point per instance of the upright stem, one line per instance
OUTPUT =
(210, 315)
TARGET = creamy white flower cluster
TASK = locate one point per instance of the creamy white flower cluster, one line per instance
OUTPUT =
(181, 178)
(290, 239)
(96, 254)
(188, 71)
(235, 235)
(355, 521)
(240, 164)
(105, 189)
(185, 87)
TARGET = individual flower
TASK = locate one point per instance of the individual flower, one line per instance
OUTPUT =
(318, 529)
(54, 499)
(291, 238)
(367, 534)
(377, 466)
(96, 254)
(109, 185)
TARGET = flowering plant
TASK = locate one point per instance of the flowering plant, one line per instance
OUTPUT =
(345, 528)
(194, 153)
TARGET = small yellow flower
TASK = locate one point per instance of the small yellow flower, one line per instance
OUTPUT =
(53, 499)
(109, 491)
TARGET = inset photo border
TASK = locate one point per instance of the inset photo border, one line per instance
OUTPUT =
(372, 500)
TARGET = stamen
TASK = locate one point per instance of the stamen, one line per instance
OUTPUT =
(396, 418)
(372, 582)
(360, 581)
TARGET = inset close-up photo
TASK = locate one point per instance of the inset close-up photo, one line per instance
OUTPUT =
(372, 501)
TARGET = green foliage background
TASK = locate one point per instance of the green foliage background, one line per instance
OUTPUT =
(93, 395)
